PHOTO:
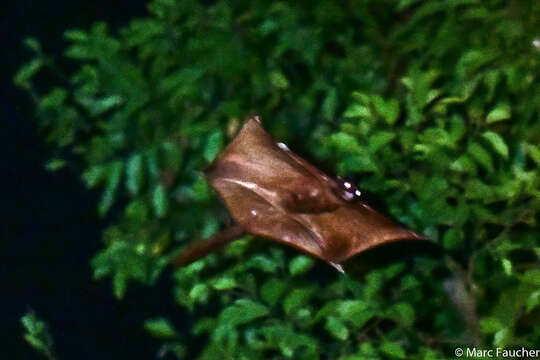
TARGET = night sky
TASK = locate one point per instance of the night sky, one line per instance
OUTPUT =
(49, 228)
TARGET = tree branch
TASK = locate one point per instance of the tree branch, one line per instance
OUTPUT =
(459, 292)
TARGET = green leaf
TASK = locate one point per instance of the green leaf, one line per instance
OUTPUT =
(37, 334)
(263, 263)
(482, 157)
(475, 189)
(490, 325)
(283, 338)
(76, 35)
(457, 129)
(393, 350)
(160, 328)
(500, 113)
(337, 328)
(497, 142)
(138, 211)
(463, 164)
(357, 110)
(94, 175)
(53, 99)
(172, 156)
(114, 176)
(402, 313)
(359, 163)
(507, 266)
(533, 301)
(389, 110)
(99, 106)
(224, 283)
(355, 312)
(119, 285)
(453, 238)
(502, 337)
(32, 44)
(534, 153)
(199, 190)
(472, 60)
(344, 142)
(278, 80)
(329, 105)
(134, 173)
(300, 265)
(36, 343)
(296, 299)
(160, 201)
(199, 293)
(55, 164)
(403, 4)
(491, 79)
(205, 325)
(26, 72)
(380, 139)
(532, 277)
(242, 312)
(272, 290)
(213, 145)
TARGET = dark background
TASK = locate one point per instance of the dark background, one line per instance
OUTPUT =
(49, 227)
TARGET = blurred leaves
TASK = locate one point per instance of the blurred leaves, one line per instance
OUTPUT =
(37, 335)
(160, 328)
(301, 264)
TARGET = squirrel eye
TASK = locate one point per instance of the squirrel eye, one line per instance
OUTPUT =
(349, 191)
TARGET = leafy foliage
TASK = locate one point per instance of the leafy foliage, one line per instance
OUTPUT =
(433, 105)
(37, 335)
